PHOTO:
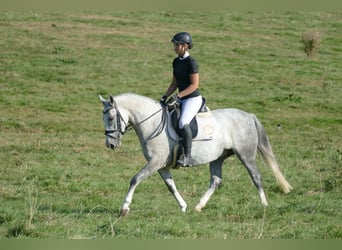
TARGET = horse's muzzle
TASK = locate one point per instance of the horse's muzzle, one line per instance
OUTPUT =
(113, 138)
(113, 145)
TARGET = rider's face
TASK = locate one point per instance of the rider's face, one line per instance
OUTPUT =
(180, 48)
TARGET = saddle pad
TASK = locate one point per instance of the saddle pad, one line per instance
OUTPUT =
(206, 127)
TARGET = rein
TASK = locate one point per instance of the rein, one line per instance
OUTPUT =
(139, 123)
(160, 127)
(157, 131)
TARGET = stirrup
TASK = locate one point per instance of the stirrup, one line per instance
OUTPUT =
(185, 161)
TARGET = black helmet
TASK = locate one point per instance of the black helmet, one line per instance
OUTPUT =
(183, 37)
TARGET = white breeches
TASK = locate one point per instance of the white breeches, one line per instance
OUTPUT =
(190, 107)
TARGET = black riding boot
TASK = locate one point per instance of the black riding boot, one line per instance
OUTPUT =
(186, 135)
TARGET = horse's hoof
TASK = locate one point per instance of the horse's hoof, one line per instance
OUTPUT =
(198, 209)
(124, 212)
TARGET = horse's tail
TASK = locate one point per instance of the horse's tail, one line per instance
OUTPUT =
(265, 149)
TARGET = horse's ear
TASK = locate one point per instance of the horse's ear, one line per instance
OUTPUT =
(102, 99)
(112, 101)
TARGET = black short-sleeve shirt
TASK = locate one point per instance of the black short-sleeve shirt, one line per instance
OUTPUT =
(182, 69)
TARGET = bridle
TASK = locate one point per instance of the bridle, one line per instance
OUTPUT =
(118, 128)
(127, 127)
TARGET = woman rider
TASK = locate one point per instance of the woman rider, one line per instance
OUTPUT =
(186, 79)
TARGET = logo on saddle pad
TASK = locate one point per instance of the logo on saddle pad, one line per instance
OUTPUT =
(203, 126)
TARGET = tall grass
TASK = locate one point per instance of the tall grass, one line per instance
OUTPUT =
(57, 180)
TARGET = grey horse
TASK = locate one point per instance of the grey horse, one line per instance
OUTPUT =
(237, 132)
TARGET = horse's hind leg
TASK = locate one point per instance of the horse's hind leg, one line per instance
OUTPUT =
(250, 164)
(215, 180)
(167, 177)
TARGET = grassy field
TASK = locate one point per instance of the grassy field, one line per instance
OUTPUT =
(57, 179)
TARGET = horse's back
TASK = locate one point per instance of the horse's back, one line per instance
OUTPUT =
(231, 114)
(235, 124)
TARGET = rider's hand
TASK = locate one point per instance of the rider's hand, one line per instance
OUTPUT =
(178, 99)
(173, 101)
(163, 100)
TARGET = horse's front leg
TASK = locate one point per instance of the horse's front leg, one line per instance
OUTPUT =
(167, 177)
(145, 172)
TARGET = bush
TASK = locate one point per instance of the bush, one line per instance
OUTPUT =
(311, 41)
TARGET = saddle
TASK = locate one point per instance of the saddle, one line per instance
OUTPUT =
(202, 125)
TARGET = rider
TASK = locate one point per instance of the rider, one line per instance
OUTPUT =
(186, 79)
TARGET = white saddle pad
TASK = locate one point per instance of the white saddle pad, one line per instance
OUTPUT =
(206, 127)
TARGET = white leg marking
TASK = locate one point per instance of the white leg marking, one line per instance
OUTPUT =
(166, 175)
(214, 183)
(263, 198)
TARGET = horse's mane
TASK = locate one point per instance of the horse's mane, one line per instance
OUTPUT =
(135, 99)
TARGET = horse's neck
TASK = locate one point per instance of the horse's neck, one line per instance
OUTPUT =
(138, 108)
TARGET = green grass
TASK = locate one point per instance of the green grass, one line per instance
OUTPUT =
(57, 180)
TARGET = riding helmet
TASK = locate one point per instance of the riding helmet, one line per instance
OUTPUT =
(183, 37)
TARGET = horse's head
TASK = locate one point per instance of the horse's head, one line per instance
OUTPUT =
(114, 129)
